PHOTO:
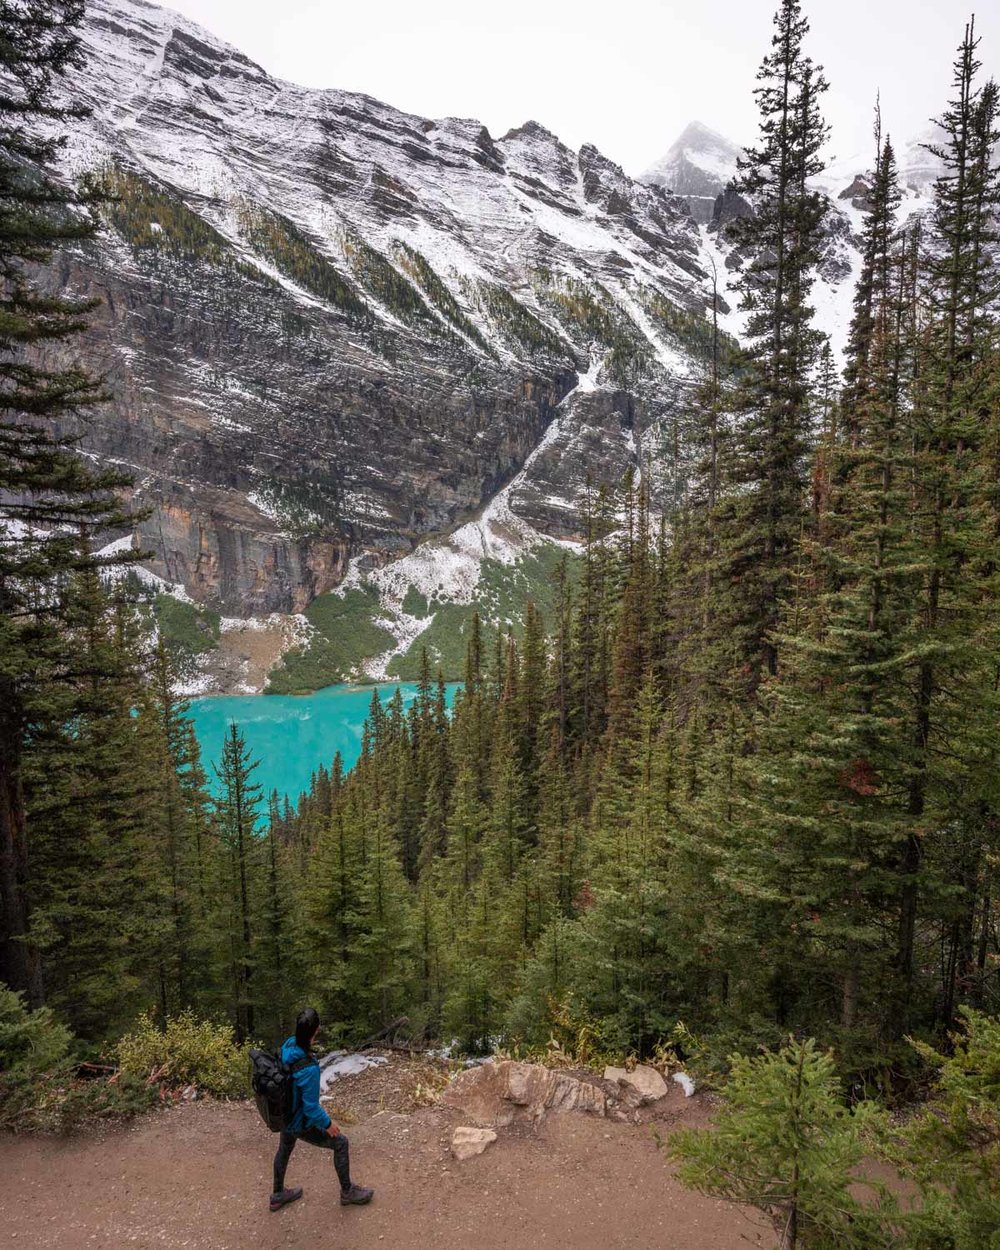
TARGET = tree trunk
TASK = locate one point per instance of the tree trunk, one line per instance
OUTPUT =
(20, 964)
(849, 1000)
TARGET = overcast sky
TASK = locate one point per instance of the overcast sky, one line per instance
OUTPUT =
(626, 75)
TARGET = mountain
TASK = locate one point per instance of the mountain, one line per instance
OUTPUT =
(697, 166)
(333, 330)
(701, 163)
(367, 367)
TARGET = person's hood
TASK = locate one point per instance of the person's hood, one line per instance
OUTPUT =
(291, 1050)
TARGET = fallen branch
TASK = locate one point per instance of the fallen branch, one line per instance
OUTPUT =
(407, 1047)
(383, 1037)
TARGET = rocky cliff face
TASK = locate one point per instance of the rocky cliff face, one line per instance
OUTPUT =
(332, 329)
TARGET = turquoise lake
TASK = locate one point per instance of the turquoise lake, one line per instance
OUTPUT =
(291, 735)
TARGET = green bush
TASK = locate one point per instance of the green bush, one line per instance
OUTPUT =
(77, 1102)
(951, 1149)
(186, 1051)
(415, 603)
(347, 632)
(707, 1056)
(40, 1090)
(32, 1043)
(784, 1142)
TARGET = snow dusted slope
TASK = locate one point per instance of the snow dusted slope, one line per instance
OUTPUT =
(351, 347)
(700, 164)
(333, 329)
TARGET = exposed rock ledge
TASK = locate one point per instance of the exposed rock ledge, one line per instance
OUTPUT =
(498, 1094)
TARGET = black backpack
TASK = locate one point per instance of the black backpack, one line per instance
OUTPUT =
(274, 1086)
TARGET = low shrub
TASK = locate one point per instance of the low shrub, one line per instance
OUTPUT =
(951, 1147)
(40, 1086)
(187, 628)
(32, 1043)
(784, 1141)
(346, 631)
(186, 1051)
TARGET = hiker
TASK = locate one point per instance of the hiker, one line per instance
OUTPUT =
(310, 1123)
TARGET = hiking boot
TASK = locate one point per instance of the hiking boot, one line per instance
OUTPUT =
(356, 1196)
(284, 1198)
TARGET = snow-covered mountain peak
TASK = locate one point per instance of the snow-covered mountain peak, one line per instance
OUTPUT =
(536, 152)
(704, 147)
(533, 132)
(697, 166)
(918, 165)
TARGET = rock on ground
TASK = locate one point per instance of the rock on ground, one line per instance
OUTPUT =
(499, 1093)
(467, 1142)
(645, 1081)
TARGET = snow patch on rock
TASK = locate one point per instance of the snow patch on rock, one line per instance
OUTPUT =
(117, 572)
(342, 1063)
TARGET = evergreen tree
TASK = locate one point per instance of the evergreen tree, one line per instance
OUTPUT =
(277, 978)
(588, 681)
(331, 902)
(49, 494)
(820, 825)
(951, 526)
(559, 835)
(190, 958)
(96, 877)
(628, 955)
(435, 780)
(784, 1142)
(383, 947)
(764, 518)
(951, 1146)
(237, 812)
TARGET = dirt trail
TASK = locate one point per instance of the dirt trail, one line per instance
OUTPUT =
(198, 1176)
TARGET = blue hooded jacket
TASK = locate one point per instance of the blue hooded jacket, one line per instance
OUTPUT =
(308, 1113)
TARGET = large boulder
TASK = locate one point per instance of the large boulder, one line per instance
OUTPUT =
(643, 1083)
(467, 1142)
(497, 1094)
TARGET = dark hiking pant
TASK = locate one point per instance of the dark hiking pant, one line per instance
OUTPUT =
(315, 1137)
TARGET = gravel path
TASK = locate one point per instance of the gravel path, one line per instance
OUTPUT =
(198, 1176)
